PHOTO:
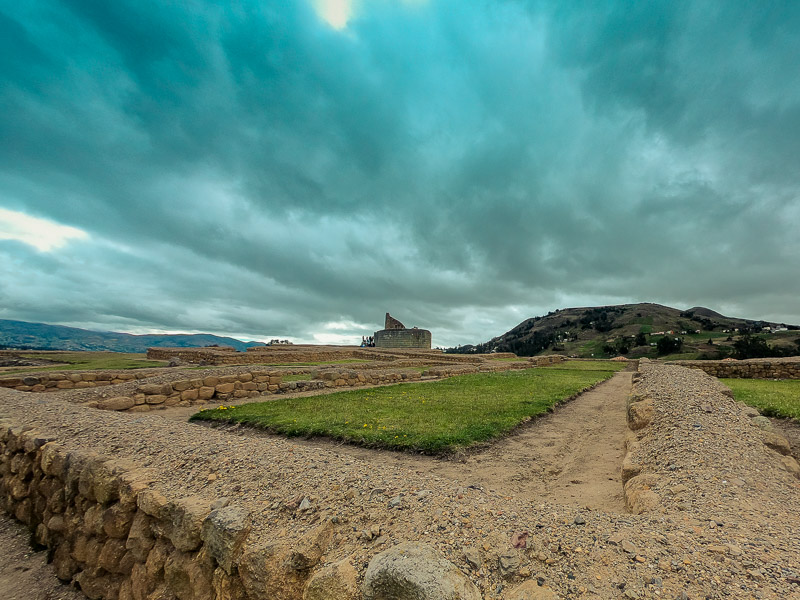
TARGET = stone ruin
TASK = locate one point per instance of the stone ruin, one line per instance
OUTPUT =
(395, 335)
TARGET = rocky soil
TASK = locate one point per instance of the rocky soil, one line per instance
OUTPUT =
(724, 523)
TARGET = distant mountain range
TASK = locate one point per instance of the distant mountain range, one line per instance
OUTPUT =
(635, 330)
(40, 336)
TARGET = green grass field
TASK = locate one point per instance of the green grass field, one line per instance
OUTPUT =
(86, 361)
(773, 398)
(435, 417)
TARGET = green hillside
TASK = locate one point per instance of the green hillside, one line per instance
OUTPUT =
(643, 330)
(41, 336)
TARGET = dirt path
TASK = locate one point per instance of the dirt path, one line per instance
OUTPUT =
(572, 456)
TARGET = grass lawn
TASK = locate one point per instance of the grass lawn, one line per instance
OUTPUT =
(588, 365)
(430, 417)
(87, 360)
(773, 398)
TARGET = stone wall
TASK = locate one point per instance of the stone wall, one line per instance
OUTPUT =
(758, 368)
(54, 381)
(403, 338)
(187, 392)
(110, 531)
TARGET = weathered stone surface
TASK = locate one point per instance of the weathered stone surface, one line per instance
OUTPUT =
(65, 566)
(266, 577)
(509, 562)
(629, 468)
(97, 587)
(337, 581)
(152, 503)
(186, 522)
(206, 393)
(188, 576)
(777, 442)
(140, 538)
(639, 496)
(111, 555)
(411, 571)
(53, 459)
(227, 587)
(791, 465)
(117, 521)
(107, 479)
(310, 548)
(640, 414)
(224, 532)
(531, 590)
(149, 389)
(154, 565)
(761, 422)
(116, 403)
(130, 484)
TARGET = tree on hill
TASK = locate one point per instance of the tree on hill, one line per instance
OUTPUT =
(668, 345)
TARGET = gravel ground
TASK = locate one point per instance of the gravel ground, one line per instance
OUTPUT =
(727, 525)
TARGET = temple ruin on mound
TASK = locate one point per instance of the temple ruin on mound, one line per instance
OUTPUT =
(395, 335)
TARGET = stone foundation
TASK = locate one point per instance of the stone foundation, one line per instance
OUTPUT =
(757, 368)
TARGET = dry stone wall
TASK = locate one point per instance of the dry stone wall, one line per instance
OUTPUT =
(69, 380)
(114, 534)
(761, 368)
(652, 473)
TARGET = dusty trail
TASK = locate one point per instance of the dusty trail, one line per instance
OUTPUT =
(572, 456)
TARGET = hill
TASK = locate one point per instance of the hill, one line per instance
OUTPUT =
(644, 329)
(40, 336)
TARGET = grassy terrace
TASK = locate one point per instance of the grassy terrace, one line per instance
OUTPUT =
(435, 417)
(773, 398)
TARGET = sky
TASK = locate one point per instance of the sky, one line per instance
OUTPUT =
(296, 169)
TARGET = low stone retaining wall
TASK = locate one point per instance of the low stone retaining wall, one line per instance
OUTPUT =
(187, 392)
(111, 532)
(643, 482)
(492, 366)
(759, 368)
(307, 354)
(69, 380)
(346, 377)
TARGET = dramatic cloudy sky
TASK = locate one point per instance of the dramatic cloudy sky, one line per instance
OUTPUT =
(296, 168)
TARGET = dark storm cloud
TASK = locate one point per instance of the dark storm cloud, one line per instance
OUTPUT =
(466, 165)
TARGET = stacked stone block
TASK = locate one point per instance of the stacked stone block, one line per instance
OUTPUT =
(52, 382)
(788, 368)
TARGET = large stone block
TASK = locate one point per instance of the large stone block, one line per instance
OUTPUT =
(189, 576)
(640, 414)
(411, 571)
(265, 576)
(337, 581)
(116, 403)
(140, 538)
(224, 533)
(186, 518)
